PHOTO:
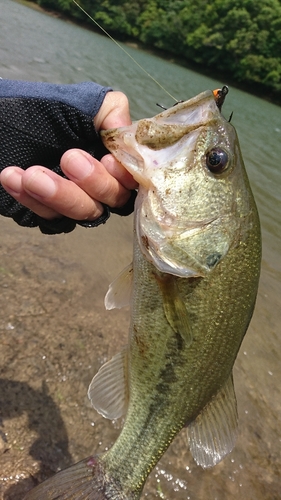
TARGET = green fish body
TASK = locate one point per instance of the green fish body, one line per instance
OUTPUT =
(194, 281)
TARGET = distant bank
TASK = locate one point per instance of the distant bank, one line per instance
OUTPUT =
(237, 43)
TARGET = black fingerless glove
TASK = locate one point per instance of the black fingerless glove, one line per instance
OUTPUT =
(38, 123)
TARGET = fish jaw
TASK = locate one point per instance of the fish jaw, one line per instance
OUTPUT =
(187, 218)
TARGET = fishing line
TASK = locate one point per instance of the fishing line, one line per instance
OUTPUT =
(124, 50)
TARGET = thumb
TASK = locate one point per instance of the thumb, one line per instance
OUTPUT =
(114, 112)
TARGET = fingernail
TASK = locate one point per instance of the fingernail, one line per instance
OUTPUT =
(40, 184)
(11, 179)
(77, 166)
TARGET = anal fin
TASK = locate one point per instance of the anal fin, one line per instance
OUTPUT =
(212, 434)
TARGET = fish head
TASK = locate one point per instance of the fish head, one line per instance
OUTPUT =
(194, 201)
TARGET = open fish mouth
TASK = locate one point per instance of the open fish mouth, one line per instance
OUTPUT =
(158, 133)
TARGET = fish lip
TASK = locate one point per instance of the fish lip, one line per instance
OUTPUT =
(195, 226)
(188, 116)
(199, 98)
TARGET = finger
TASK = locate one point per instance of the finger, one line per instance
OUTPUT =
(11, 180)
(62, 195)
(114, 112)
(116, 169)
(91, 176)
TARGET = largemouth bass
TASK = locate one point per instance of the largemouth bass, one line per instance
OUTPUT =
(194, 278)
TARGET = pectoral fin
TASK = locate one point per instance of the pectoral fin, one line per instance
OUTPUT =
(109, 391)
(213, 433)
(175, 308)
(119, 291)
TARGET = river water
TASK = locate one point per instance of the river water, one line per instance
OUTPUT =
(54, 332)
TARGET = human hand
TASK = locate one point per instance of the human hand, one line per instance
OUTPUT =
(89, 182)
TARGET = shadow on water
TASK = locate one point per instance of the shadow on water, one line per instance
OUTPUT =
(50, 448)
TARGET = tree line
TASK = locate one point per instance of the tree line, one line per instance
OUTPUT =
(239, 38)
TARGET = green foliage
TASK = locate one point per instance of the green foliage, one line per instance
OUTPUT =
(239, 37)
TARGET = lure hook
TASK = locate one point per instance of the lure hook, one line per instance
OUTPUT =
(220, 95)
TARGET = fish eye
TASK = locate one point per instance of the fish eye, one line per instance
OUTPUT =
(217, 160)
